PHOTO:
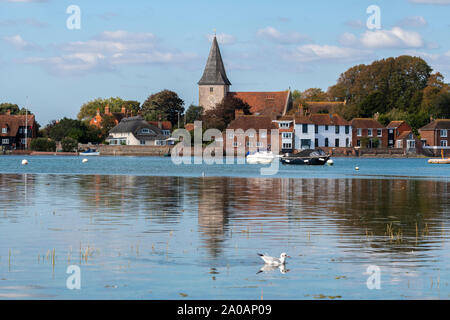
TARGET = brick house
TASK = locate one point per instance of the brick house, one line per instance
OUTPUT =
(17, 131)
(436, 133)
(285, 125)
(368, 129)
(395, 129)
(118, 116)
(408, 141)
(260, 138)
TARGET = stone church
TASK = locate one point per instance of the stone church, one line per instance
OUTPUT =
(214, 86)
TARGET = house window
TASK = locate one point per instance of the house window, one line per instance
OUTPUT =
(305, 128)
(5, 141)
(166, 132)
(370, 132)
(337, 129)
(23, 141)
(443, 143)
(347, 129)
(4, 130)
(326, 127)
(306, 143)
(316, 128)
(336, 143)
(142, 141)
(359, 132)
(379, 132)
(287, 135)
(316, 142)
(235, 144)
(358, 143)
(284, 124)
(444, 133)
(287, 145)
(347, 142)
(145, 130)
(326, 142)
(399, 143)
(211, 89)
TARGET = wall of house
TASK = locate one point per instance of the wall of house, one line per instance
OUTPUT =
(332, 136)
(383, 138)
(299, 135)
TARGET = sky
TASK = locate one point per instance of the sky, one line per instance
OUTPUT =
(131, 49)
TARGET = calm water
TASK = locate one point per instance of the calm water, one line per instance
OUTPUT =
(143, 228)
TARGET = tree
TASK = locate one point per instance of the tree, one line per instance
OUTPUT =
(68, 144)
(89, 109)
(164, 105)
(314, 94)
(72, 128)
(43, 144)
(13, 108)
(440, 107)
(193, 113)
(223, 113)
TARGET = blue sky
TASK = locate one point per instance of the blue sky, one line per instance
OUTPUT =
(134, 48)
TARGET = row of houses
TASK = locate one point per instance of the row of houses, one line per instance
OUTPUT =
(297, 132)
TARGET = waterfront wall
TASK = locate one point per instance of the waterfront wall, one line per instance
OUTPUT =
(107, 150)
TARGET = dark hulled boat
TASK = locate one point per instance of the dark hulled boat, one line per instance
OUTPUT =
(311, 157)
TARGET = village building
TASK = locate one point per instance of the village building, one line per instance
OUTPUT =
(395, 130)
(17, 131)
(135, 131)
(286, 126)
(255, 135)
(369, 133)
(436, 133)
(118, 116)
(214, 85)
(408, 141)
(165, 126)
(322, 130)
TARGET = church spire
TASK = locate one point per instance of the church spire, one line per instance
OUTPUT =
(214, 73)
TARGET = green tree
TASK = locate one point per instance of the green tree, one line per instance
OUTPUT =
(193, 113)
(43, 144)
(69, 144)
(72, 128)
(223, 113)
(164, 105)
(89, 109)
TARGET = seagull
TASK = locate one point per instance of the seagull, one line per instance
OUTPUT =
(274, 261)
(270, 268)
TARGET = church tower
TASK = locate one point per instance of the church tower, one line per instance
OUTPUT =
(214, 84)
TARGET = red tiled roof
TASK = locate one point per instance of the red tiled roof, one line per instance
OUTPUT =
(265, 103)
(246, 122)
(13, 122)
(366, 123)
(436, 125)
(404, 135)
(328, 119)
(395, 124)
(303, 120)
(165, 125)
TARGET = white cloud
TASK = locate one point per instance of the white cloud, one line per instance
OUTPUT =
(440, 2)
(107, 51)
(222, 38)
(325, 53)
(394, 38)
(348, 39)
(272, 34)
(438, 61)
(19, 43)
(413, 21)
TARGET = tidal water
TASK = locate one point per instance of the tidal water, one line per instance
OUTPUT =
(144, 228)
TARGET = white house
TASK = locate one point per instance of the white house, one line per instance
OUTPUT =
(322, 130)
(134, 131)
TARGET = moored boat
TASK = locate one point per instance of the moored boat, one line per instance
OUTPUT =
(260, 157)
(90, 152)
(306, 157)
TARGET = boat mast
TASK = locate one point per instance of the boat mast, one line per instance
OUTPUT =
(26, 123)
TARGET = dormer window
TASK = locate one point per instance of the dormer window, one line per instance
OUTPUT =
(145, 131)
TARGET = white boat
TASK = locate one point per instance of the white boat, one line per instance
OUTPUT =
(90, 152)
(260, 157)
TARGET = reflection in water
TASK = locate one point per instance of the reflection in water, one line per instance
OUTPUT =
(219, 215)
(271, 268)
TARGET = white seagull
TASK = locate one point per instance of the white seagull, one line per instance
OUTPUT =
(274, 261)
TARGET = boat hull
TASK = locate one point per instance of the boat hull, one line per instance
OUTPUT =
(314, 161)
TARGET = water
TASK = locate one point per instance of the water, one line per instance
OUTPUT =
(143, 228)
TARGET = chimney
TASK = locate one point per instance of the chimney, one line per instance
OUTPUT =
(107, 111)
(8, 113)
(123, 110)
(376, 116)
(238, 113)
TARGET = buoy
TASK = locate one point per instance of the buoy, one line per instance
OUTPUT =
(356, 168)
(330, 162)
(84, 160)
(24, 162)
